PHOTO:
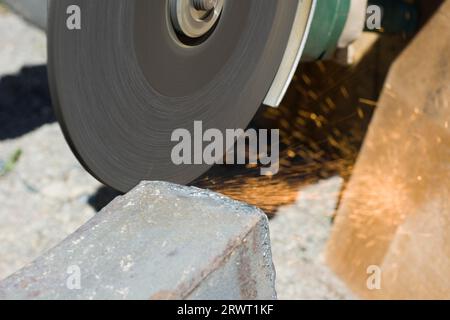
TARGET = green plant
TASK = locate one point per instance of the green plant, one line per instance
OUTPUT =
(10, 164)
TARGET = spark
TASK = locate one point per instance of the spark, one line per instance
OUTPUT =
(322, 128)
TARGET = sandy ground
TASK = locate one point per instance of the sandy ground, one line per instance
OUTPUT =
(47, 194)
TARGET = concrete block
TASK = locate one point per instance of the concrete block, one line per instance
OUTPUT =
(160, 241)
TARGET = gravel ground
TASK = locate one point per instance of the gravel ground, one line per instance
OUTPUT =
(20, 44)
(47, 195)
(299, 234)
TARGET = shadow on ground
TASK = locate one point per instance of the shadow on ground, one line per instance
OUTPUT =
(103, 197)
(25, 102)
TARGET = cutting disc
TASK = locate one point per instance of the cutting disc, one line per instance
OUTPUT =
(127, 78)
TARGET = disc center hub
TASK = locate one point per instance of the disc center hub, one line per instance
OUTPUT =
(195, 18)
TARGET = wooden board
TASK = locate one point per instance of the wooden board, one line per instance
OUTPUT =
(395, 213)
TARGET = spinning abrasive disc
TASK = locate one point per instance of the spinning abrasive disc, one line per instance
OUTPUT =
(136, 70)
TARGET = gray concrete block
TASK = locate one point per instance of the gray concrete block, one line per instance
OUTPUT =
(160, 241)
